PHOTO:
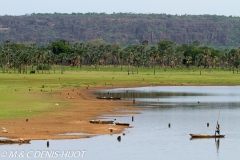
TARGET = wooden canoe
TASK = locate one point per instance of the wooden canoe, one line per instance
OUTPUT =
(122, 124)
(14, 141)
(101, 122)
(206, 136)
(114, 98)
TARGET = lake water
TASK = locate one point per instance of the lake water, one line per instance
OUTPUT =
(187, 108)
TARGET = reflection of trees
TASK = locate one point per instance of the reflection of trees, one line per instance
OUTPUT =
(135, 94)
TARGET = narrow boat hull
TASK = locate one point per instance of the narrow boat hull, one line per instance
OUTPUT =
(14, 141)
(206, 136)
(110, 98)
(122, 124)
(101, 122)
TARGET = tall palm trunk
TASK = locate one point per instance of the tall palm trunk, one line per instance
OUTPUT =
(200, 70)
(62, 67)
(37, 66)
(14, 63)
(48, 67)
(26, 68)
(132, 68)
(20, 68)
(154, 66)
(2, 66)
(42, 67)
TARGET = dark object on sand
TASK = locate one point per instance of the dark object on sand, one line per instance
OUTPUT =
(14, 141)
(101, 122)
(123, 124)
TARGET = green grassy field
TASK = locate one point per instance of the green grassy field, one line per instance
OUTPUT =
(23, 95)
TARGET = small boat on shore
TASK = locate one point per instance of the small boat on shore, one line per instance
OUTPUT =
(206, 136)
(122, 124)
(14, 141)
(101, 122)
(113, 98)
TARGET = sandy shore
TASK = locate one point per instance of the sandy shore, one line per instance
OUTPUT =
(72, 116)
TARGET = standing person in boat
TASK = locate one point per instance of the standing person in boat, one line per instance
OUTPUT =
(217, 129)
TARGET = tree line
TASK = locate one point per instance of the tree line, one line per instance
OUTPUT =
(125, 28)
(26, 58)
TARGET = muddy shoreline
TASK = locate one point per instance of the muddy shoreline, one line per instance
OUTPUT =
(78, 106)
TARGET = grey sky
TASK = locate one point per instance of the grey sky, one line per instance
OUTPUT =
(180, 7)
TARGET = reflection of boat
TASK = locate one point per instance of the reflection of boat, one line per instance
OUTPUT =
(206, 136)
(116, 98)
(14, 141)
(123, 124)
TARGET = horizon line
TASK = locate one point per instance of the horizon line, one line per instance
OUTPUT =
(113, 13)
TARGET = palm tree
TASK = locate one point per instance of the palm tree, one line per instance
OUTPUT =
(7, 51)
(24, 58)
(164, 59)
(42, 58)
(233, 57)
(138, 57)
(3, 59)
(215, 59)
(54, 61)
(62, 57)
(131, 56)
(200, 59)
(31, 54)
(128, 57)
(188, 61)
(49, 59)
(223, 58)
(154, 55)
(120, 57)
(238, 59)
(95, 60)
(179, 58)
(14, 59)
(207, 57)
(87, 54)
(38, 57)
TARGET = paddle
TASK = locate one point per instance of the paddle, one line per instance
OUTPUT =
(219, 114)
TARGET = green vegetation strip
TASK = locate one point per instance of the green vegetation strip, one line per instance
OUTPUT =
(25, 95)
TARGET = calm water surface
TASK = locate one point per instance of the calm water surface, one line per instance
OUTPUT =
(188, 109)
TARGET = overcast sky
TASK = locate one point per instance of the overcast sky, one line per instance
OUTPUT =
(180, 7)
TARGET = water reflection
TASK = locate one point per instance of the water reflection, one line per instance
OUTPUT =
(217, 141)
(139, 94)
(178, 94)
(162, 131)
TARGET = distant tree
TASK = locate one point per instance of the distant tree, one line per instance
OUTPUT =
(164, 45)
(61, 46)
(196, 43)
(200, 59)
(96, 42)
(62, 58)
(223, 58)
(154, 54)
